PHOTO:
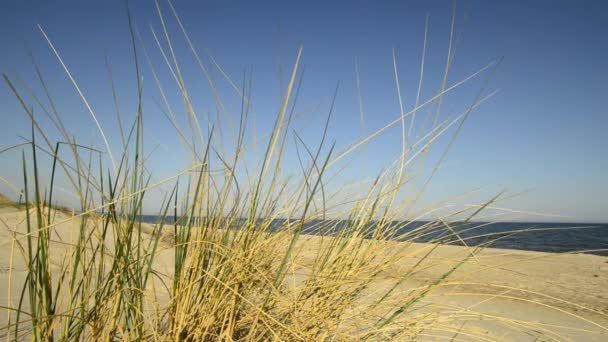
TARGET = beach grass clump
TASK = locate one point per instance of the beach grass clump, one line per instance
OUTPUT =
(229, 256)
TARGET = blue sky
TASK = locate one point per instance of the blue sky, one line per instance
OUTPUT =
(542, 135)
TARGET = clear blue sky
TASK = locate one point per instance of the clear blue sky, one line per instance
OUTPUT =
(543, 134)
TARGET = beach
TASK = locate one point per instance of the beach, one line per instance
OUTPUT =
(303, 172)
(495, 293)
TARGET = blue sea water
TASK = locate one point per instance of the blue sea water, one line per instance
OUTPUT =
(530, 236)
(539, 236)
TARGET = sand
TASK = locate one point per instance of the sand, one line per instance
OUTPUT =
(565, 295)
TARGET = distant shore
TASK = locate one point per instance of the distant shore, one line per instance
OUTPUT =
(552, 237)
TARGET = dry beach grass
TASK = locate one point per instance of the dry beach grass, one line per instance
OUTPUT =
(222, 270)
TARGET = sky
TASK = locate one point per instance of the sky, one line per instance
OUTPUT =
(541, 137)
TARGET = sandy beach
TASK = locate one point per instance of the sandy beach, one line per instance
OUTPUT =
(497, 293)
(564, 293)
(247, 171)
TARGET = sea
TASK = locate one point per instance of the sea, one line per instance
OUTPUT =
(588, 238)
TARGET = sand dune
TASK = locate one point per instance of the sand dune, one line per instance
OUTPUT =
(494, 293)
